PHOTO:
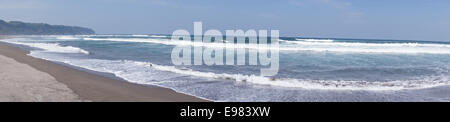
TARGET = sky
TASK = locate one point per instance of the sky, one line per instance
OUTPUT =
(372, 19)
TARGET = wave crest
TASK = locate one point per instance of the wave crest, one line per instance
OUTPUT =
(52, 47)
(343, 47)
(315, 40)
(288, 83)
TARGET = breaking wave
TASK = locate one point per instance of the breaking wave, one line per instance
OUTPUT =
(307, 84)
(52, 47)
(315, 40)
(67, 38)
(138, 72)
(344, 47)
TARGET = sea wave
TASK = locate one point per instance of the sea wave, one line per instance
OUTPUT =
(307, 84)
(137, 35)
(357, 47)
(67, 38)
(52, 47)
(315, 40)
(158, 36)
(144, 73)
(182, 43)
(358, 44)
(343, 47)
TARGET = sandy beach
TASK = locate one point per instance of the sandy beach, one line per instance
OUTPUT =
(27, 79)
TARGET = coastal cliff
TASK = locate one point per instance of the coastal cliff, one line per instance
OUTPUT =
(22, 28)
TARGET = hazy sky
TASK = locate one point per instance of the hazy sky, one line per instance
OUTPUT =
(391, 19)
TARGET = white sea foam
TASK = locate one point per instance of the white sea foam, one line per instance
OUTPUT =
(291, 83)
(67, 37)
(315, 40)
(52, 47)
(369, 47)
(170, 42)
(131, 40)
(357, 44)
(105, 35)
(146, 73)
(158, 36)
(344, 47)
(136, 35)
(307, 84)
(134, 71)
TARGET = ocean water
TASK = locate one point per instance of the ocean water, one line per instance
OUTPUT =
(311, 69)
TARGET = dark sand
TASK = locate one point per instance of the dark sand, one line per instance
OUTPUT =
(94, 87)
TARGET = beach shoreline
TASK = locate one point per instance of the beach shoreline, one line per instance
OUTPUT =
(92, 87)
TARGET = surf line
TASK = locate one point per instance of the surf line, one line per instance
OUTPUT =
(209, 48)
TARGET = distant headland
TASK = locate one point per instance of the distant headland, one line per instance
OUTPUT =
(22, 28)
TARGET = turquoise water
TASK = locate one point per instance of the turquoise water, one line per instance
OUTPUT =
(311, 69)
